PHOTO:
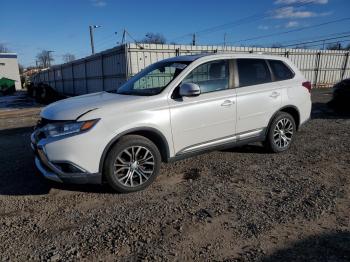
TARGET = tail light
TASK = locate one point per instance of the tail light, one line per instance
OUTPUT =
(307, 85)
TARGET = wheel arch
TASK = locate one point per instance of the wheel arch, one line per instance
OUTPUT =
(148, 132)
(290, 109)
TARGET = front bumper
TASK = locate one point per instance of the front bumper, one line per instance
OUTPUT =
(52, 172)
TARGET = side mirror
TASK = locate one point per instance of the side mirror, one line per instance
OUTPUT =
(189, 89)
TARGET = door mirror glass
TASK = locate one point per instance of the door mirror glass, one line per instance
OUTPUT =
(189, 89)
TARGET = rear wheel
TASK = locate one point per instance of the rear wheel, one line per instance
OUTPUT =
(281, 133)
(132, 164)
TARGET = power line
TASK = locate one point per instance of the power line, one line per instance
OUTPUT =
(314, 37)
(315, 41)
(248, 19)
(291, 31)
(336, 42)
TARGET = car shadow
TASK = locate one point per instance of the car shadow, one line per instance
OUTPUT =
(18, 174)
(324, 247)
(249, 149)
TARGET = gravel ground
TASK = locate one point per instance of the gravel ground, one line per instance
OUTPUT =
(241, 204)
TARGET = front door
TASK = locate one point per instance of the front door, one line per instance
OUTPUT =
(207, 119)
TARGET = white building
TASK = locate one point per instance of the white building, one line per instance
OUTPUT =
(9, 68)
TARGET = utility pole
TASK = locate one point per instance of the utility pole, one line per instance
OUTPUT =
(194, 39)
(225, 41)
(92, 27)
(123, 38)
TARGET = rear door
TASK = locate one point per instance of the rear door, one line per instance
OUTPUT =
(258, 97)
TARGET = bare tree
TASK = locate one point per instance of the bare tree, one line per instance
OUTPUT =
(154, 38)
(301, 47)
(44, 58)
(334, 46)
(3, 48)
(276, 45)
(20, 68)
(68, 57)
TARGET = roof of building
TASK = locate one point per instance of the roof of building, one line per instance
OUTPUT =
(8, 55)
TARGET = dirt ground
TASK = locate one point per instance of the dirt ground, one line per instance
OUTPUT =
(241, 204)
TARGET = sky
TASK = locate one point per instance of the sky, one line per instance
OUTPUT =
(30, 26)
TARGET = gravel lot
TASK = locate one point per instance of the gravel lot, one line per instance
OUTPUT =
(241, 204)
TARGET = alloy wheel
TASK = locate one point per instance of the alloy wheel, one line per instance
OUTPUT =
(134, 166)
(283, 133)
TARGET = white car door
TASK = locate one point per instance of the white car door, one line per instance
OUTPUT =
(258, 97)
(208, 119)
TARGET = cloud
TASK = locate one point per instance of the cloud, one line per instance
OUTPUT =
(290, 2)
(98, 3)
(291, 12)
(263, 27)
(292, 24)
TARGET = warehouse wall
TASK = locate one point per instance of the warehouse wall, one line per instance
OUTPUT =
(9, 68)
(111, 68)
(103, 71)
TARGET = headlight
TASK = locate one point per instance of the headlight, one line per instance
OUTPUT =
(66, 128)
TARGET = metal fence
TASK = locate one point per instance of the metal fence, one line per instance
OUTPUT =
(111, 68)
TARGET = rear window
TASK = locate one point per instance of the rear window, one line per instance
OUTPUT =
(253, 72)
(280, 70)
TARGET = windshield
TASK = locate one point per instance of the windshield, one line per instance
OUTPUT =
(153, 79)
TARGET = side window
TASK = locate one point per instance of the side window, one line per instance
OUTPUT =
(210, 77)
(280, 70)
(253, 72)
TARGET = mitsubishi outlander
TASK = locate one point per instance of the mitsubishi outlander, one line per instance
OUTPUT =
(173, 109)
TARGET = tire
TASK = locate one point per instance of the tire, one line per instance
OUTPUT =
(125, 158)
(44, 94)
(278, 141)
(34, 91)
(38, 91)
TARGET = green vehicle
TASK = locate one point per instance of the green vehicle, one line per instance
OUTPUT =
(7, 86)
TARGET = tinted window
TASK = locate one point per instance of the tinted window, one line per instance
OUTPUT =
(212, 76)
(253, 72)
(280, 70)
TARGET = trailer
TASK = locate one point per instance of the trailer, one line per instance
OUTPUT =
(108, 70)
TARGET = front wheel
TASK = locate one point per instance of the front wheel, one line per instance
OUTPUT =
(281, 133)
(132, 164)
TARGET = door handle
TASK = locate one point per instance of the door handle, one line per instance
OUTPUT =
(275, 94)
(227, 103)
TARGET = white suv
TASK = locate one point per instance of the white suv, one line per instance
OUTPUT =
(173, 109)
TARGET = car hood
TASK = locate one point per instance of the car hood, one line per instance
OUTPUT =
(74, 107)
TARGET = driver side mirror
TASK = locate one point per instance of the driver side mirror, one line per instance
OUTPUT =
(189, 89)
